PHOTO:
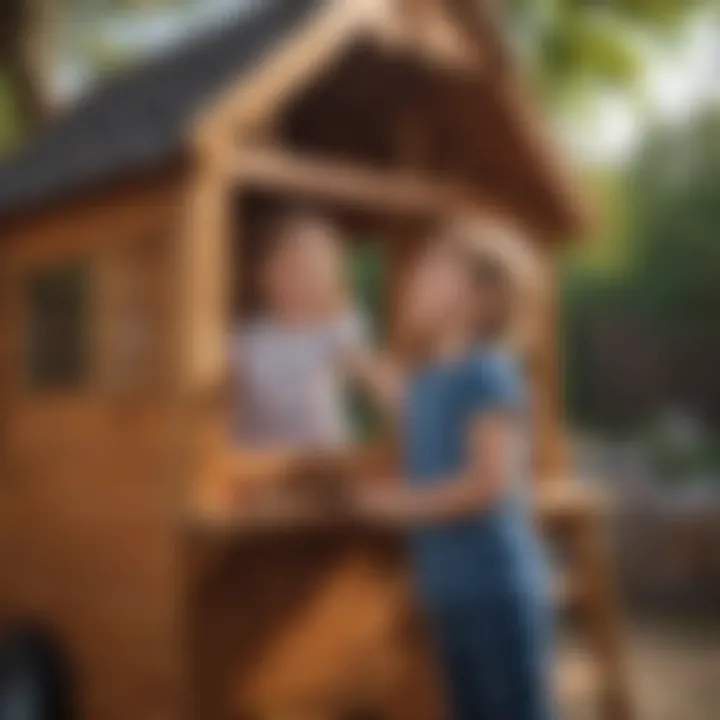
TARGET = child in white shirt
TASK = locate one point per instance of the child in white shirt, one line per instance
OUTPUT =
(288, 363)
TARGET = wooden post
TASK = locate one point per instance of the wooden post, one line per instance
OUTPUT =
(550, 454)
(205, 324)
(601, 616)
(206, 302)
(206, 275)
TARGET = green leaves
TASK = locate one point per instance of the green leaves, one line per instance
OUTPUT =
(10, 126)
(662, 292)
(655, 13)
(572, 46)
(585, 51)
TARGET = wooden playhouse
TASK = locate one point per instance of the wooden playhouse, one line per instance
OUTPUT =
(125, 242)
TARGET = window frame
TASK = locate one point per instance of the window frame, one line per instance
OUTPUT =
(31, 375)
(19, 313)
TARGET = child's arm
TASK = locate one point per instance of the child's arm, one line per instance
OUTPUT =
(379, 377)
(374, 372)
(463, 496)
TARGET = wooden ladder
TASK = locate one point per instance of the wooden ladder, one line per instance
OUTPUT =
(574, 515)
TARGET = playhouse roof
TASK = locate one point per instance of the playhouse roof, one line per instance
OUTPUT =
(138, 120)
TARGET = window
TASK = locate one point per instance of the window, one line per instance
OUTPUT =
(58, 327)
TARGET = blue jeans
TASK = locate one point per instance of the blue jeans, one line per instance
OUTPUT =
(496, 653)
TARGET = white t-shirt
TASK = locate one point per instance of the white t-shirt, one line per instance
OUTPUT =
(289, 383)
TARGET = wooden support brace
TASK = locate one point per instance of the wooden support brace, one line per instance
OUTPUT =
(601, 617)
(358, 186)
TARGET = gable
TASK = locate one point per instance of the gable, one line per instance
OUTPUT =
(243, 78)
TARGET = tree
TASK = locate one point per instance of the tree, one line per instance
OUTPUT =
(29, 45)
(24, 42)
(660, 302)
(676, 221)
(574, 46)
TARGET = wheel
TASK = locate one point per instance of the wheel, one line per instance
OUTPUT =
(34, 682)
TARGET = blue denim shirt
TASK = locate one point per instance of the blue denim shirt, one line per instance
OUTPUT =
(494, 550)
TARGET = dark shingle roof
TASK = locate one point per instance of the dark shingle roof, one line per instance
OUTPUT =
(138, 120)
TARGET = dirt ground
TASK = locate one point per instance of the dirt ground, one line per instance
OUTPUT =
(674, 672)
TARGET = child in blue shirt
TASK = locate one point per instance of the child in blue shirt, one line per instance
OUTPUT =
(478, 565)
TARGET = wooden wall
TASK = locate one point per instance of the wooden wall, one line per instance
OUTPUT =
(90, 487)
(304, 623)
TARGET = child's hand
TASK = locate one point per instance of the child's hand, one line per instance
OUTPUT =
(383, 505)
(378, 376)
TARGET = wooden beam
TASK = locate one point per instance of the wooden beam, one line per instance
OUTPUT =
(400, 192)
(406, 193)
(206, 281)
(246, 106)
(535, 140)
(551, 460)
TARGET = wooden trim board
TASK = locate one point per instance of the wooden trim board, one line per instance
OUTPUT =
(357, 185)
(254, 100)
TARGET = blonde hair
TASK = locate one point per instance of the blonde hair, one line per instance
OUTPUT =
(499, 252)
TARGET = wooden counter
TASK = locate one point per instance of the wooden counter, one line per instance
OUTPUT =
(297, 612)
